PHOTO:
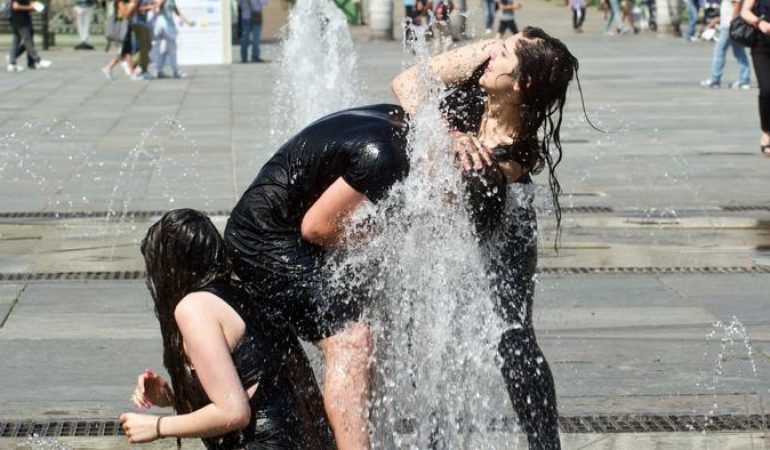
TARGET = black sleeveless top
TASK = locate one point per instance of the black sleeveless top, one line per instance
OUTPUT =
(287, 408)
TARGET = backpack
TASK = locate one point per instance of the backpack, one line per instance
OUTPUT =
(5, 10)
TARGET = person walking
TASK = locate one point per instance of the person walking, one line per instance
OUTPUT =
(21, 24)
(489, 15)
(251, 28)
(164, 38)
(693, 9)
(143, 35)
(507, 21)
(754, 12)
(728, 9)
(442, 30)
(84, 15)
(121, 10)
(578, 8)
(613, 15)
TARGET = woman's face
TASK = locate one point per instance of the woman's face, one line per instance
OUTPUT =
(503, 62)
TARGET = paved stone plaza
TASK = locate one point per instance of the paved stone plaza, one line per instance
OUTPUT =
(677, 190)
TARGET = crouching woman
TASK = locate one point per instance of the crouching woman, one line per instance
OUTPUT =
(239, 377)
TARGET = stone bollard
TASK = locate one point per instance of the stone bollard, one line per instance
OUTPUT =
(381, 20)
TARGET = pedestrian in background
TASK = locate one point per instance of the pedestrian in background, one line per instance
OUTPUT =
(489, 15)
(507, 21)
(164, 38)
(441, 28)
(21, 24)
(754, 12)
(693, 9)
(84, 15)
(728, 9)
(251, 28)
(578, 8)
(122, 10)
(613, 15)
(143, 39)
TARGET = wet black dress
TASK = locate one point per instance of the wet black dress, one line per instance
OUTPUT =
(512, 260)
(366, 147)
(287, 410)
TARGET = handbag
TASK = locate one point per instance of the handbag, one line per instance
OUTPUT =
(742, 33)
(115, 29)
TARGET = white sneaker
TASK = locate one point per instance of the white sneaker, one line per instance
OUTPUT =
(126, 69)
(11, 67)
(709, 83)
(43, 64)
(488, 31)
(737, 85)
(180, 74)
(107, 73)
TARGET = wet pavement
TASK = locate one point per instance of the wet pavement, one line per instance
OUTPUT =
(665, 251)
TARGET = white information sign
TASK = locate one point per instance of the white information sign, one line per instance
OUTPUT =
(208, 42)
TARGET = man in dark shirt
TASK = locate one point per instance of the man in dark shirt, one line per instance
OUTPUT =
(280, 233)
(21, 23)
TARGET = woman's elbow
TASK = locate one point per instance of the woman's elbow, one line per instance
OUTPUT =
(240, 419)
(312, 233)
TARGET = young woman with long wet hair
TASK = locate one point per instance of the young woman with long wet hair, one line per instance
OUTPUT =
(239, 376)
(504, 107)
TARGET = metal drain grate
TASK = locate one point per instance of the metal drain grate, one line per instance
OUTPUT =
(652, 270)
(93, 214)
(72, 276)
(745, 208)
(587, 209)
(60, 428)
(139, 275)
(569, 424)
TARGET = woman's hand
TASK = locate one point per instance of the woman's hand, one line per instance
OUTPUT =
(151, 389)
(470, 152)
(764, 27)
(139, 427)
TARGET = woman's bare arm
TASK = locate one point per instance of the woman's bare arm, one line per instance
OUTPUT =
(451, 68)
(748, 15)
(324, 223)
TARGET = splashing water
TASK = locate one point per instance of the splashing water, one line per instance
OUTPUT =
(729, 333)
(436, 332)
(317, 72)
(36, 442)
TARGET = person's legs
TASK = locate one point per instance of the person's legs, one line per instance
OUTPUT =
(256, 31)
(692, 19)
(84, 16)
(25, 33)
(744, 74)
(718, 60)
(575, 18)
(171, 55)
(760, 57)
(582, 17)
(489, 15)
(15, 43)
(530, 386)
(346, 385)
(143, 41)
(245, 34)
(614, 16)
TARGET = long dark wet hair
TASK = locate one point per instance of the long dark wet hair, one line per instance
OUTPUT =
(183, 252)
(546, 68)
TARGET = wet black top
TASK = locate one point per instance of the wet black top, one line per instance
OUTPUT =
(365, 146)
(287, 407)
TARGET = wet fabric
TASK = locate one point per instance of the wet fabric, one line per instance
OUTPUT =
(365, 146)
(287, 408)
(512, 261)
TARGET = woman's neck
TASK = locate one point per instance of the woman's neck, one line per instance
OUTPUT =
(500, 122)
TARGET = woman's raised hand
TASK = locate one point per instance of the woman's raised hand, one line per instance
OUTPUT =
(764, 27)
(151, 389)
(470, 152)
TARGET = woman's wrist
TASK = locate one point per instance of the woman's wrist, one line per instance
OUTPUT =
(157, 428)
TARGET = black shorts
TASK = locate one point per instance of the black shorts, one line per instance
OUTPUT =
(314, 307)
(507, 25)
